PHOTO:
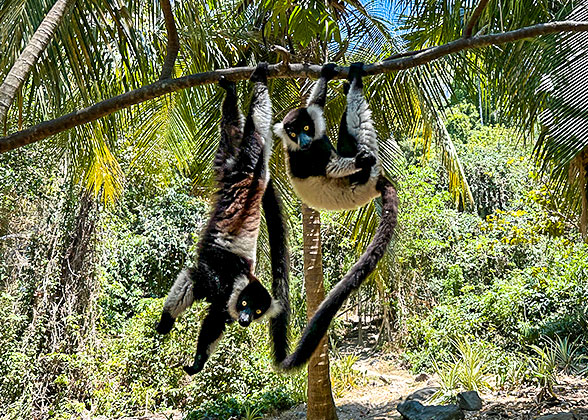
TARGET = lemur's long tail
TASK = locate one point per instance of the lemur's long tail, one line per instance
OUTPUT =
(278, 239)
(319, 324)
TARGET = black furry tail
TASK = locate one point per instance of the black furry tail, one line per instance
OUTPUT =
(319, 324)
(278, 240)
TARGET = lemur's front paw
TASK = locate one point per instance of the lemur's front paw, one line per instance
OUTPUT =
(165, 324)
(365, 159)
(356, 71)
(328, 71)
(197, 366)
(260, 73)
(227, 84)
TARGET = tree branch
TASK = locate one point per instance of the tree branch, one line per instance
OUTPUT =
(173, 43)
(467, 32)
(162, 87)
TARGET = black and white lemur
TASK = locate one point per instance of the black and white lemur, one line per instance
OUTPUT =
(224, 275)
(341, 179)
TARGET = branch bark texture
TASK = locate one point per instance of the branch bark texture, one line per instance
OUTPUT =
(173, 43)
(280, 70)
(30, 55)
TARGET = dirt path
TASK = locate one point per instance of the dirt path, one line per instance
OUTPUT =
(386, 385)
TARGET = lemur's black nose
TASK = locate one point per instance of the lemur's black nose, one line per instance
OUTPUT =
(244, 319)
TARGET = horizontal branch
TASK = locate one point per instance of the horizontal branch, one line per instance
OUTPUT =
(280, 70)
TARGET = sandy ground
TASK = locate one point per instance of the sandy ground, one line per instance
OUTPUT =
(386, 385)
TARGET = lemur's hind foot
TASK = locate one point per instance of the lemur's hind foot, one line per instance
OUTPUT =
(329, 71)
(165, 324)
(356, 72)
(260, 73)
(227, 85)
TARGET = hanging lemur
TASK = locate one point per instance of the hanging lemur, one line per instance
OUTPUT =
(341, 179)
(227, 248)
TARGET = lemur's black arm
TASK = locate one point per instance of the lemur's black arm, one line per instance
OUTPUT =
(257, 124)
(212, 329)
(278, 241)
(319, 91)
(319, 324)
(231, 130)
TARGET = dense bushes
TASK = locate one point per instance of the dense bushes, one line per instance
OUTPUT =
(506, 279)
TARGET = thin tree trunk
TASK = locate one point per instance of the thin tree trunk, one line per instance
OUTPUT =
(320, 398)
(28, 58)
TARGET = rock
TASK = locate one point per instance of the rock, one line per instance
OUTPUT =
(469, 400)
(558, 416)
(414, 410)
(421, 377)
(422, 395)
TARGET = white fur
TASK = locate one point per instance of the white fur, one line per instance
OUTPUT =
(339, 167)
(359, 120)
(335, 193)
(181, 295)
(318, 88)
(274, 309)
(244, 246)
(316, 113)
(286, 140)
(240, 283)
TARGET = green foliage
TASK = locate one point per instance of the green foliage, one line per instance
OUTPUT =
(141, 370)
(508, 279)
(145, 244)
(344, 377)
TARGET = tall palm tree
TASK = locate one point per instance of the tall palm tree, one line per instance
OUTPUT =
(30, 55)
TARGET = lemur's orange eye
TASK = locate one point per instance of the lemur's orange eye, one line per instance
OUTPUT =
(306, 128)
(258, 311)
(244, 303)
(292, 135)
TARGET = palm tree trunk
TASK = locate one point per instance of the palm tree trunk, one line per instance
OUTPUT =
(28, 58)
(320, 398)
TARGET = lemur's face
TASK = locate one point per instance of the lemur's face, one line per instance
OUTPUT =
(254, 301)
(299, 128)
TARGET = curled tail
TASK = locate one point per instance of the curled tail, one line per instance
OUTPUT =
(180, 297)
(278, 240)
(319, 324)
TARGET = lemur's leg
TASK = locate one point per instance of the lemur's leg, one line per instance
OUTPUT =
(256, 141)
(182, 295)
(231, 130)
(346, 143)
(319, 91)
(179, 298)
(211, 331)
(359, 119)
(339, 167)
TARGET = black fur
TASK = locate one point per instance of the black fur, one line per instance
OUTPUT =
(319, 324)
(224, 273)
(312, 161)
(280, 260)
